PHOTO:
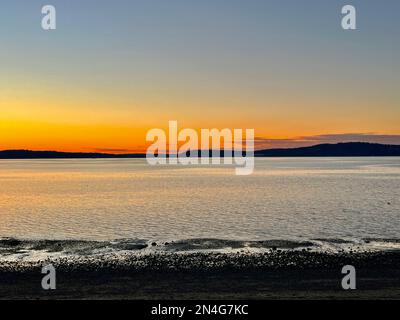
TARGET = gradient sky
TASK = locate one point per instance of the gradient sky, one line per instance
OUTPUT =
(114, 69)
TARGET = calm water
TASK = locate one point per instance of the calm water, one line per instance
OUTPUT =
(295, 199)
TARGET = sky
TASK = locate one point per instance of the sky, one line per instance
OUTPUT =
(112, 70)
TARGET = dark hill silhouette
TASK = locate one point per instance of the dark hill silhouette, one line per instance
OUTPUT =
(349, 149)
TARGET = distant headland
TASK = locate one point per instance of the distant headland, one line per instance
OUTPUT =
(346, 149)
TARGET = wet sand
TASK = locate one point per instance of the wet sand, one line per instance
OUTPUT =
(273, 275)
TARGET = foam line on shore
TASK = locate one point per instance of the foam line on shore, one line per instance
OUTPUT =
(22, 250)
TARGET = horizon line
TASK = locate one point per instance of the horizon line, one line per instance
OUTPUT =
(222, 149)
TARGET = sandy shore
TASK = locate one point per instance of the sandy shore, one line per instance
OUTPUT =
(273, 275)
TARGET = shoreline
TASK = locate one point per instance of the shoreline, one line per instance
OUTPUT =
(275, 275)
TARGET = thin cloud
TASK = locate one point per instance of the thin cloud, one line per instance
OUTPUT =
(113, 150)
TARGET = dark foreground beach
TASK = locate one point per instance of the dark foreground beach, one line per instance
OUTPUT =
(286, 274)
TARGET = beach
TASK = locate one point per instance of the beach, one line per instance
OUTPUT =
(277, 274)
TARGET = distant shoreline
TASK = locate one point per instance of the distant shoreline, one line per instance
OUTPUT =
(348, 149)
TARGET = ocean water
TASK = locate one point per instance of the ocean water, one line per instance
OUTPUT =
(333, 200)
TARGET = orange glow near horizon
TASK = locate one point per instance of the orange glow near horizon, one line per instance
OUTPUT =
(60, 117)
(111, 138)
